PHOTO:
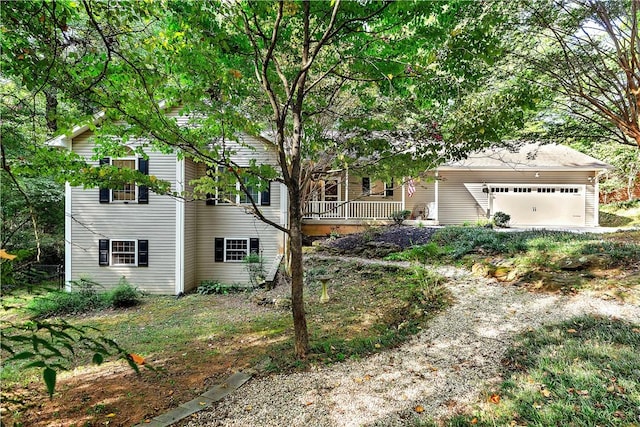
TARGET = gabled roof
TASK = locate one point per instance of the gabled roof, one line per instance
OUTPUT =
(528, 157)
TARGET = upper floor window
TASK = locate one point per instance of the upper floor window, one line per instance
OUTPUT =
(232, 193)
(126, 192)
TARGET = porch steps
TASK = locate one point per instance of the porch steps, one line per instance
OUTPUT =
(271, 273)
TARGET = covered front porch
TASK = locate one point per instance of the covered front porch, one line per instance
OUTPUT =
(351, 204)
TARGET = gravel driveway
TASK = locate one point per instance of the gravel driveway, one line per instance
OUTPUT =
(444, 368)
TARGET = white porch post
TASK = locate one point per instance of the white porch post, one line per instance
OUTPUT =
(596, 199)
(404, 178)
(437, 197)
(346, 194)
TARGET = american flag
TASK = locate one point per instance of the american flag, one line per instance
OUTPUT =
(411, 188)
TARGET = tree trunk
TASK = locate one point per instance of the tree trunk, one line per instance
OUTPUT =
(297, 283)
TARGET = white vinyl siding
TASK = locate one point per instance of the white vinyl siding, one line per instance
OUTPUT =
(226, 221)
(154, 222)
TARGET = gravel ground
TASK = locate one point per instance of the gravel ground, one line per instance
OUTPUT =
(444, 369)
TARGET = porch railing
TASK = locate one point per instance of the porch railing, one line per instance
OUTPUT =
(351, 210)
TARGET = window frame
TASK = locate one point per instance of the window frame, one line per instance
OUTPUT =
(135, 186)
(112, 252)
(241, 198)
(228, 239)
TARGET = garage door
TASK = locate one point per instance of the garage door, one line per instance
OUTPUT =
(539, 204)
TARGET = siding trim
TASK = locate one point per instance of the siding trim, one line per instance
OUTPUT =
(180, 213)
(67, 237)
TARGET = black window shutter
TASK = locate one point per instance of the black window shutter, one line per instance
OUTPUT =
(103, 252)
(143, 253)
(219, 249)
(254, 246)
(265, 196)
(210, 197)
(143, 190)
(104, 192)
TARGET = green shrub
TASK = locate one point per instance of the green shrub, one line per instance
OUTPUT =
(423, 253)
(84, 297)
(124, 295)
(210, 287)
(399, 216)
(501, 219)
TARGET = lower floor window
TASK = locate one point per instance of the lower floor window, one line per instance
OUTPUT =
(129, 252)
(236, 249)
(123, 252)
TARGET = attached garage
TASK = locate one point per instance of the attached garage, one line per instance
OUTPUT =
(537, 185)
(539, 205)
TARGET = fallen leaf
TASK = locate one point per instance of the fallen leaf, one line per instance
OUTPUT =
(137, 359)
(419, 409)
(495, 398)
(582, 392)
(545, 392)
(571, 331)
(111, 415)
(474, 421)
(377, 345)
(248, 408)
(611, 389)
(202, 403)
(308, 403)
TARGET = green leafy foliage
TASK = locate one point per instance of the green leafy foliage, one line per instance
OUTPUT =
(52, 345)
(501, 219)
(212, 287)
(84, 297)
(399, 216)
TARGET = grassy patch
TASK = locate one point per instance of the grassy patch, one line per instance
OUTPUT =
(371, 307)
(584, 372)
(620, 214)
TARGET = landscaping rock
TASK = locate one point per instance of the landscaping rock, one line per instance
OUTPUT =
(575, 263)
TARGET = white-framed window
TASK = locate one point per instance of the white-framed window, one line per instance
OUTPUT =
(124, 252)
(126, 192)
(235, 250)
(232, 193)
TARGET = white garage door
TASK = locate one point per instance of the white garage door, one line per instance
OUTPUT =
(539, 204)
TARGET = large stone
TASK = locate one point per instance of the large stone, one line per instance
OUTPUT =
(575, 263)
